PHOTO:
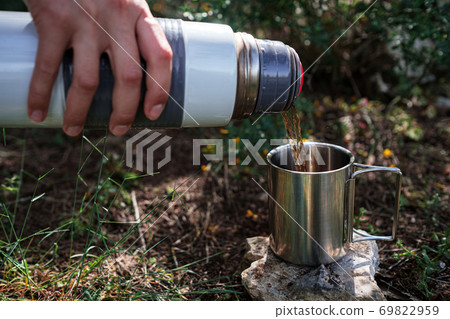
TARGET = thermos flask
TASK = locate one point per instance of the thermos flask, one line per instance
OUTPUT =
(217, 76)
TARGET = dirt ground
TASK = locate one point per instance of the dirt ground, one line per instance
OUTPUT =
(222, 205)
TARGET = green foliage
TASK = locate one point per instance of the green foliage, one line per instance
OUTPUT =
(416, 30)
(9, 186)
(361, 212)
(431, 206)
(419, 30)
(429, 261)
(405, 124)
(359, 218)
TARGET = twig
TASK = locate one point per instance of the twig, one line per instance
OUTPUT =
(397, 263)
(137, 215)
(207, 251)
(438, 280)
(179, 240)
(394, 292)
(174, 257)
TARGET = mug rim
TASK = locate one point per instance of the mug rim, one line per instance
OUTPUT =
(334, 146)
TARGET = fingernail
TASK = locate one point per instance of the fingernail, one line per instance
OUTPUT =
(73, 130)
(37, 116)
(120, 129)
(155, 112)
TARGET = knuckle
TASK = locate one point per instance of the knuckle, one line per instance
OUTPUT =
(86, 82)
(47, 68)
(49, 16)
(153, 23)
(93, 8)
(62, 16)
(131, 77)
(165, 53)
(57, 15)
(142, 9)
(120, 4)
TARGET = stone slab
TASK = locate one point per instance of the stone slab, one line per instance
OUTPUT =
(267, 277)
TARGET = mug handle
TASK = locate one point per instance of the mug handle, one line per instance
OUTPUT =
(350, 201)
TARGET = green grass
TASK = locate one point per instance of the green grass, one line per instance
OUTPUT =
(428, 260)
(106, 268)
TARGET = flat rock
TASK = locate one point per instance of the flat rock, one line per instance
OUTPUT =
(267, 277)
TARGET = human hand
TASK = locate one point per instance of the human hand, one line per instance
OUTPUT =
(91, 27)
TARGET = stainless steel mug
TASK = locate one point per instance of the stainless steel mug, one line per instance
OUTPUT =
(311, 213)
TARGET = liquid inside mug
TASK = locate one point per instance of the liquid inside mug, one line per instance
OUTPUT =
(311, 213)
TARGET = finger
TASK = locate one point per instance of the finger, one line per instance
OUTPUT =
(84, 85)
(49, 55)
(127, 85)
(157, 52)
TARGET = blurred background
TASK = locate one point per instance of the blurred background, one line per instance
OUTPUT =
(78, 224)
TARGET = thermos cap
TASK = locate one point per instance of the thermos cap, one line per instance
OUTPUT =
(280, 77)
(269, 76)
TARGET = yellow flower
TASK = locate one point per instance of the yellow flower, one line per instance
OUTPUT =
(265, 152)
(205, 168)
(304, 140)
(223, 131)
(236, 139)
(391, 165)
(251, 215)
(387, 153)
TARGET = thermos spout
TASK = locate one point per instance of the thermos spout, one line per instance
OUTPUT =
(269, 76)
